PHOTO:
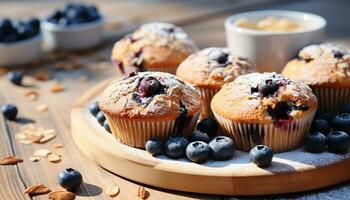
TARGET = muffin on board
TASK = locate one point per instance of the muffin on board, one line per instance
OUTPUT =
(155, 46)
(209, 69)
(326, 69)
(265, 108)
(149, 105)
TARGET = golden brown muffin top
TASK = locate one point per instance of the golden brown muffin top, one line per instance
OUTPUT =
(323, 65)
(264, 98)
(213, 67)
(154, 44)
(150, 95)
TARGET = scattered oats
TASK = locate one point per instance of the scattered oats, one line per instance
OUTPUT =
(61, 195)
(57, 146)
(82, 79)
(55, 88)
(142, 193)
(54, 158)
(34, 158)
(42, 152)
(37, 190)
(26, 127)
(11, 160)
(25, 141)
(32, 95)
(112, 190)
(42, 108)
(42, 76)
(21, 136)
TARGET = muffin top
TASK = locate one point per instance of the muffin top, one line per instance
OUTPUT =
(213, 67)
(264, 98)
(325, 65)
(154, 45)
(150, 95)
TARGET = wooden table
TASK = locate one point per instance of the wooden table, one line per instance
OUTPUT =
(203, 20)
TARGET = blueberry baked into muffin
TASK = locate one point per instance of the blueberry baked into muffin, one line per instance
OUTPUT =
(267, 109)
(326, 69)
(149, 105)
(153, 47)
(211, 68)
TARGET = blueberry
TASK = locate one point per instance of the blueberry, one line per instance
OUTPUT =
(175, 147)
(94, 108)
(100, 117)
(222, 148)
(261, 155)
(218, 56)
(70, 179)
(345, 108)
(320, 125)
(106, 126)
(338, 142)
(154, 147)
(208, 126)
(341, 122)
(6, 26)
(15, 77)
(9, 111)
(268, 88)
(315, 142)
(326, 115)
(198, 152)
(198, 135)
(55, 16)
(34, 22)
(148, 86)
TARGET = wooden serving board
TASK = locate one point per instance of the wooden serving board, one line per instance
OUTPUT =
(290, 171)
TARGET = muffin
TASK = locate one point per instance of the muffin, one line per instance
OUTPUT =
(149, 105)
(153, 47)
(326, 69)
(209, 69)
(265, 108)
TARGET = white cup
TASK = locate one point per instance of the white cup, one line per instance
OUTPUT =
(272, 50)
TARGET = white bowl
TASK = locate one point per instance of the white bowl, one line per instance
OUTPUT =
(74, 37)
(272, 50)
(21, 52)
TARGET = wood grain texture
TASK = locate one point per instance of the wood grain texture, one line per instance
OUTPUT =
(203, 22)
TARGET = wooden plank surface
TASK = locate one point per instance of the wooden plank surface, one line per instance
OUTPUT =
(203, 21)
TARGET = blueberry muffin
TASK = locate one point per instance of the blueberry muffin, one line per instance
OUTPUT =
(211, 68)
(149, 105)
(326, 69)
(152, 47)
(265, 108)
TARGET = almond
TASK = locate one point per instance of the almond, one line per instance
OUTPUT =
(42, 76)
(57, 146)
(142, 193)
(61, 195)
(49, 134)
(11, 160)
(36, 190)
(112, 190)
(42, 152)
(32, 95)
(53, 158)
(56, 88)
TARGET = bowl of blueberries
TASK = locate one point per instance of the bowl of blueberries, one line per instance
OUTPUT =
(75, 27)
(20, 41)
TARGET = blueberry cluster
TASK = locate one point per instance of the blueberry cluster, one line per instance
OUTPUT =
(74, 13)
(202, 145)
(13, 31)
(95, 110)
(331, 131)
(9, 111)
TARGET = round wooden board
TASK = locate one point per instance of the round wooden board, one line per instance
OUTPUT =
(290, 171)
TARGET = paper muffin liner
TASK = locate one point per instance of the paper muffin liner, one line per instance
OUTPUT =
(279, 139)
(135, 133)
(331, 99)
(207, 95)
